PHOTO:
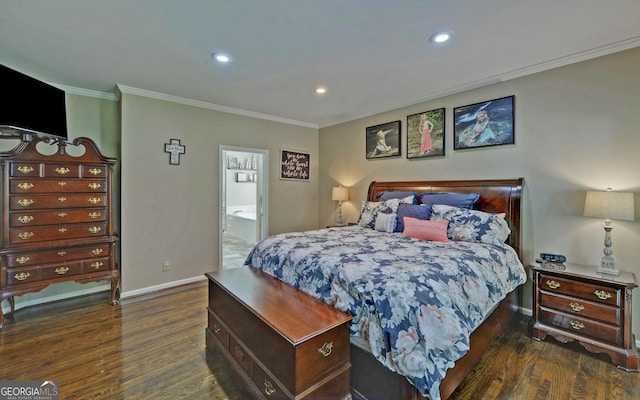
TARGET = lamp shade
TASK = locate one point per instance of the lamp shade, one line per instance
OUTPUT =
(340, 193)
(611, 205)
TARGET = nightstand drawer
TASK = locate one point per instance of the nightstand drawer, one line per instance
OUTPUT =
(587, 291)
(582, 326)
(585, 309)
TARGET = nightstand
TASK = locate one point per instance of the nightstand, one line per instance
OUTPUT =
(577, 303)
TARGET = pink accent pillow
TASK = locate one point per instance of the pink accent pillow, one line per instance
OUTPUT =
(426, 229)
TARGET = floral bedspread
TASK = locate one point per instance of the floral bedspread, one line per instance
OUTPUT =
(416, 302)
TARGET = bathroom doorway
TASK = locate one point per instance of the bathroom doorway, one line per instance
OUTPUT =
(243, 202)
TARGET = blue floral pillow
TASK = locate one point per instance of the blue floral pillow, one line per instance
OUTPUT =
(370, 210)
(472, 225)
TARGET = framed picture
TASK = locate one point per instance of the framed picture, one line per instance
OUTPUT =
(425, 134)
(383, 140)
(489, 123)
(241, 177)
(294, 165)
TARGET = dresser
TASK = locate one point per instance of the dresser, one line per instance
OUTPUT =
(281, 342)
(577, 303)
(57, 218)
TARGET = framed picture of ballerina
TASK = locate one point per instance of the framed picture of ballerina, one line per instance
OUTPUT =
(383, 140)
(425, 134)
(489, 123)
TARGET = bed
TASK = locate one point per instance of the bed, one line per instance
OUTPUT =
(463, 287)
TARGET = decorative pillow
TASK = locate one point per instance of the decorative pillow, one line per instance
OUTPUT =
(398, 194)
(385, 222)
(421, 211)
(426, 229)
(472, 225)
(370, 210)
(450, 199)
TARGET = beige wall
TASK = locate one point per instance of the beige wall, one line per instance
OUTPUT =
(576, 129)
(170, 212)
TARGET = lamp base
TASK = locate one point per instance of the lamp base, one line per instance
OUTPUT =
(608, 271)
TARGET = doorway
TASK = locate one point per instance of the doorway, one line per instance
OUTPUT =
(243, 202)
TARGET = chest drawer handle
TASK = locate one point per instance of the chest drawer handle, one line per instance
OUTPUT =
(25, 185)
(97, 264)
(602, 295)
(23, 259)
(95, 229)
(95, 171)
(268, 387)
(62, 270)
(94, 215)
(326, 348)
(577, 307)
(25, 235)
(25, 202)
(94, 186)
(62, 183)
(62, 253)
(577, 325)
(216, 328)
(25, 169)
(553, 284)
(96, 252)
(22, 276)
(62, 170)
(25, 219)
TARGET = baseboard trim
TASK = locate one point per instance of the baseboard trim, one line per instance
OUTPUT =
(163, 286)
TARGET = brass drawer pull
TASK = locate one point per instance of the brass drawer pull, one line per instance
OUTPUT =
(237, 351)
(576, 325)
(94, 186)
(268, 387)
(553, 284)
(22, 276)
(62, 214)
(326, 348)
(62, 183)
(216, 328)
(62, 230)
(25, 219)
(97, 264)
(94, 215)
(95, 171)
(25, 235)
(96, 252)
(94, 200)
(62, 253)
(602, 295)
(25, 169)
(62, 199)
(62, 170)
(577, 307)
(25, 202)
(95, 229)
(25, 185)
(23, 259)
(62, 270)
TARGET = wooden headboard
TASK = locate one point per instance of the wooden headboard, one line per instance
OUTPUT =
(496, 196)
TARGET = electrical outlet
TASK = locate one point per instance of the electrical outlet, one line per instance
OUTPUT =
(166, 266)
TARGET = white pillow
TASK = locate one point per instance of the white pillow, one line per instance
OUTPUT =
(386, 222)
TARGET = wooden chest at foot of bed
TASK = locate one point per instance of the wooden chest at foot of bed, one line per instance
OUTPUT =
(283, 343)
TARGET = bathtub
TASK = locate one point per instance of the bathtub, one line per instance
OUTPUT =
(241, 223)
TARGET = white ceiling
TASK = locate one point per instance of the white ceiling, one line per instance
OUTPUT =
(372, 55)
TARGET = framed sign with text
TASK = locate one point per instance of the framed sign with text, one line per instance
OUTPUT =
(294, 165)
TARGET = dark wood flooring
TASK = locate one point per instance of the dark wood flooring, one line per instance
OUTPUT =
(152, 347)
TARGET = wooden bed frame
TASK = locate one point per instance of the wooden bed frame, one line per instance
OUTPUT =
(371, 380)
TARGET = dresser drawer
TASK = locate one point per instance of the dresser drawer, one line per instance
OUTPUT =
(217, 328)
(240, 355)
(22, 276)
(60, 270)
(56, 256)
(585, 309)
(40, 201)
(23, 186)
(587, 291)
(584, 327)
(56, 217)
(61, 170)
(96, 265)
(24, 169)
(60, 232)
(93, 171)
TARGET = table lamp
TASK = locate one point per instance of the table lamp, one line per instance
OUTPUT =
(609, 205)
(339, 194)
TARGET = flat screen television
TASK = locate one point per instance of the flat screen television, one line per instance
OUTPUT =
(28, 105)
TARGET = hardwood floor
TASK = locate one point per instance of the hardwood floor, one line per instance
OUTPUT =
(152, 347)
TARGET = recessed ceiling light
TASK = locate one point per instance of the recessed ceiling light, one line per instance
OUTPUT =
(321, 90)
(441, 37)
(221, 57)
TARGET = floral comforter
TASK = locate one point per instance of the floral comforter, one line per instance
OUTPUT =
(415, 302)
